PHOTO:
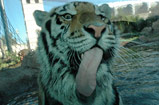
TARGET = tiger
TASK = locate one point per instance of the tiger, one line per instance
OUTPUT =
(76, 46)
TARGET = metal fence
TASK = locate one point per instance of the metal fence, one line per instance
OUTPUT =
(9, 37)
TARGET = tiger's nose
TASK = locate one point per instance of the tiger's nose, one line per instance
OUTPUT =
(98, 30)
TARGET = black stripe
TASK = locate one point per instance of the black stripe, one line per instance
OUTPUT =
(116, 102)
(79, 42)
(66, 29)
(85, 3)
(108, 54)
(55, 61)
(50, 100)
(51, 15)
(74, 61)
(114, 31)
(55, 39)
(60, 69)
(52, 81)
(51, 56)
(62, 63)
(47, 52)
(75, 37)
(64, 8)
(110, 38)
(58, 21)
(45, 42)
(62, 27)
(63, 75)
(48, 26)
(76, 4)
(58, 36)
(54, 43)
(109, 22)
(72, 33)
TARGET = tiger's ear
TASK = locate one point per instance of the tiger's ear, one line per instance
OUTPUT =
(106, 9)
(40, 16)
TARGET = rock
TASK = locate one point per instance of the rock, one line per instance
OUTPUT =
(23, 53)
(155, 27)
(30, 60)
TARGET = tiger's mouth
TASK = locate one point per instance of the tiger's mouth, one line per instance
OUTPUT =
(86, 76)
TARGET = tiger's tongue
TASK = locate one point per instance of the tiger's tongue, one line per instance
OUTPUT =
(86, 76)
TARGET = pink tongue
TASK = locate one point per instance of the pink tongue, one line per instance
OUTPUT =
(86, 76)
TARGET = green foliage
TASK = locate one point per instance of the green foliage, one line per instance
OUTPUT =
(129, 18)
(10, 60)
(13, 56)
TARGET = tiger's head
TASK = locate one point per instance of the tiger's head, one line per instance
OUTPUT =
(81, 28)
(80, 25)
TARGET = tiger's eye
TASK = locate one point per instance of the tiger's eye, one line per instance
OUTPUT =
(102, 17)
(106, 20)
(67, 17)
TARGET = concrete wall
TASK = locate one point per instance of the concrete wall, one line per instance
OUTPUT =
(29, 6)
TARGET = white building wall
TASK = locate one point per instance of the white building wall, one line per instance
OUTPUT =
(31, 27)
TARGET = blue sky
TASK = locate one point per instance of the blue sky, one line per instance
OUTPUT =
(53, 3)
(15, 15)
